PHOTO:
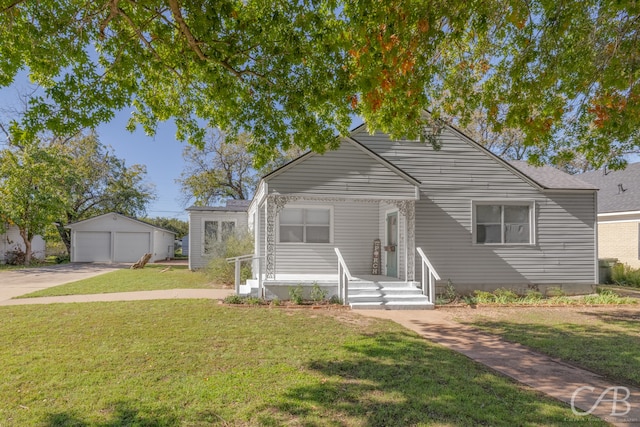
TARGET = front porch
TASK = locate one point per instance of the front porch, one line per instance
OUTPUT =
(361, 291)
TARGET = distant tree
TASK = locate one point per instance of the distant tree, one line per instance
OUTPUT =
(224, 169)
(178, 226)
(99, 182)
(221, 170)
(504, 142)
(33, 183)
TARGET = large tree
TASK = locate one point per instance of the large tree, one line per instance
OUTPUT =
(32, 182)
(564, 73)
(99, 182)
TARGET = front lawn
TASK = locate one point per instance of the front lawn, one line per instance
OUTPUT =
(601, 339)
(196, 363)
(152, 277)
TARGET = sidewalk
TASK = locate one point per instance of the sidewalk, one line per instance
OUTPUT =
(126, 296)
(543, 373)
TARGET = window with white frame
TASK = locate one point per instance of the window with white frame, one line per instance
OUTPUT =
(305, 225)
(503, 223)
(215, 232)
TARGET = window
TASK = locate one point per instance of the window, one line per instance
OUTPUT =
(215, 232)
(503, 223)
(305, 225)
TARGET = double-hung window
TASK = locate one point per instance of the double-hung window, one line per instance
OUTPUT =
(305, 225)
(503, 223)
(215, 232)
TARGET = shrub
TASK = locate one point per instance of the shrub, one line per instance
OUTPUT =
(484, 297)
(317, 293)
(335, 299)
(233, 299)
(222, 271)
(533, 295)
(295, 295)
(253, 301)
(625, 275)
(505, 296)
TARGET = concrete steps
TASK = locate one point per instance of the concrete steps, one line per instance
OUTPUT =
(386, 296)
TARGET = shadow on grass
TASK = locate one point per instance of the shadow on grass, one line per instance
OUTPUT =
(123, 415)
(398, 379)
(611, 350)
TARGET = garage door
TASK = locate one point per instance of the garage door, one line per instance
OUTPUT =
(92, 246)
(131, 246)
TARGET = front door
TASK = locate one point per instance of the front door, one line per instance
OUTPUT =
(391, 248)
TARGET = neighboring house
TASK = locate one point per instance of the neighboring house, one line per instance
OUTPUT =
(209, 226)
(117, 238)
(11, 240)
(618, 213)
(482, 223)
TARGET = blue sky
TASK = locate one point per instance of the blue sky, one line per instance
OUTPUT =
(161, 154)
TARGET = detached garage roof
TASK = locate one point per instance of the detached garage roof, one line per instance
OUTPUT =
(115, 215)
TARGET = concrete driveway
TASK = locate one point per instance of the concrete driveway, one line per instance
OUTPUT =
(14, 283)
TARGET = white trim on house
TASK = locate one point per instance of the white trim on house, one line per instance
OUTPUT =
(504, 202)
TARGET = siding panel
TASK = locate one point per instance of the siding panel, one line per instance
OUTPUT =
(458, 174)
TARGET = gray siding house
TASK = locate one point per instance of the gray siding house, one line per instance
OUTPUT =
(208, 226)
(396, 216)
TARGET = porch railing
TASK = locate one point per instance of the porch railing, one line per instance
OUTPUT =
(343, 278)
(429, 277)
(238, 263)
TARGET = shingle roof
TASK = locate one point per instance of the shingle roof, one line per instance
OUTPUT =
(232, 206)
(619, 190)
(551, 178)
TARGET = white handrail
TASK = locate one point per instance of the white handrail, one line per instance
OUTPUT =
(237, 260)
(429, 277)
(343, 278)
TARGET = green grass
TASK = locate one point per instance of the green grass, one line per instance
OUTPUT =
(196, 363)
(126, 280)
(603, 341)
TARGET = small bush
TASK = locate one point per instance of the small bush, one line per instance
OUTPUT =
(625, 275)
(295, 295)
(317, 293)
(505, 296)
(276, 302)
(253, 301)
(335, 299)
(532, 296)
(16, 257)
(222, 271)
(233, 299)
(484, 297)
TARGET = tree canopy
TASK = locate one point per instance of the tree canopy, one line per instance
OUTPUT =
(564, 73)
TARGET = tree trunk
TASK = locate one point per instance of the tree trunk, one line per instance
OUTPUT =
(27, 246)
(65, 236)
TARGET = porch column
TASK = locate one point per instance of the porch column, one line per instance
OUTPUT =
(273, 205)
(408, 209)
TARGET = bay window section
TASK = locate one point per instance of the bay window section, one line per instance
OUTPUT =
(305, 225)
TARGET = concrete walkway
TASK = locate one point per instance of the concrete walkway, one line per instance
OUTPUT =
(543, 373)
(126, 296)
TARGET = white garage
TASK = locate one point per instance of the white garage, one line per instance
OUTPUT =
(117, 238)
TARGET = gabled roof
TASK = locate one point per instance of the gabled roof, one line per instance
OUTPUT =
(551, 178)
(543, 178)
(379, 159)
(73, 224)
(619, 190)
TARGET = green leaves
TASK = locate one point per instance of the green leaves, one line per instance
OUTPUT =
(295, 72)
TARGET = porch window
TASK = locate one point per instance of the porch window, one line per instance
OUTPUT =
(508, 223)
(216, 232)
(305, 225)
